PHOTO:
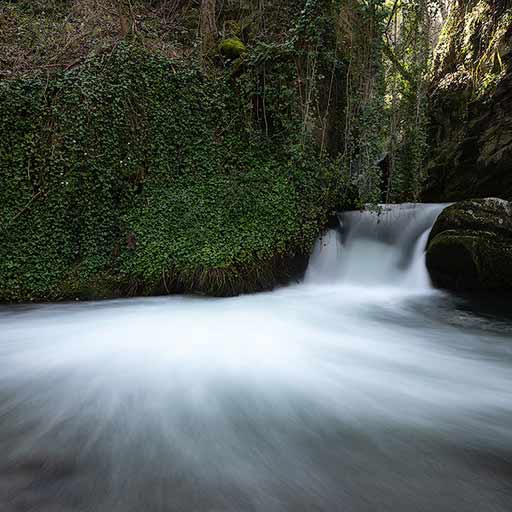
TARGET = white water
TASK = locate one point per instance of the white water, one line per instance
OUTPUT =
(361, 389)
(381, 248)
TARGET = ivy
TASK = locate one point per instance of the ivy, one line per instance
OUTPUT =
(360, 30)
(140, 174)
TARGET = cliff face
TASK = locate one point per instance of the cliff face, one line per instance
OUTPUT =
(470, 131)
(131, 164)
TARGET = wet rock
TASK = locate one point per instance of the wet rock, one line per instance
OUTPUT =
(470, 246)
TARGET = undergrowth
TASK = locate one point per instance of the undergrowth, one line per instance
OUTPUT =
(139, 174)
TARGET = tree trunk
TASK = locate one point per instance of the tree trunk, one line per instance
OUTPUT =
(124, 11)
(208, 26)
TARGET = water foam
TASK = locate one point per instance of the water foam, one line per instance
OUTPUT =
(360, 389)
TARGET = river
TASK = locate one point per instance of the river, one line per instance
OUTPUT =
(359, 389)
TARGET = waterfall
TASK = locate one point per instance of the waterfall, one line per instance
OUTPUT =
(385, 246)
(359, 390)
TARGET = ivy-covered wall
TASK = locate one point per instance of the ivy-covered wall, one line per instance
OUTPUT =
(139, 174)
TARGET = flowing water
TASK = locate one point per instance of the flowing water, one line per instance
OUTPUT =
(360, 389)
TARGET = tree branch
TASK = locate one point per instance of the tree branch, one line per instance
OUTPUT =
(390, 54)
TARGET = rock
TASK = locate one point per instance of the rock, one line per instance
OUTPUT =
(470, 246)
(470, 105)
(232, 48)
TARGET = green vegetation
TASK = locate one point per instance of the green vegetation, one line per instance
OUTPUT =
(142, 174)
(473, 47)
(152, 146)
(232, 48)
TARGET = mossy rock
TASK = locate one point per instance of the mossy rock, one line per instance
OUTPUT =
(490, 215)
(232, 48)
(470, 246)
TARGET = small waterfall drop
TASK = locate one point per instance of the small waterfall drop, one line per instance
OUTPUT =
(384, 247)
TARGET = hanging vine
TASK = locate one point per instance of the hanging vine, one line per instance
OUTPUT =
(410, 36)
(360, 29)
(387, 46)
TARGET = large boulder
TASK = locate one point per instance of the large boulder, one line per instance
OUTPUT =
(470, 246)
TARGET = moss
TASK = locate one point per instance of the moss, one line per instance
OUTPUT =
(102, 285)
(451, 260)
(232, 48)
(488, 215)
(255, 276)
(473, 44)
(470, 260)
(470, 246)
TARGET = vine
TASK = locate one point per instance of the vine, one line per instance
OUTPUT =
(360, 28)
(411, 36)
(141, 175)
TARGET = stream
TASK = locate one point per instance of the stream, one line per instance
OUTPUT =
(359, 389)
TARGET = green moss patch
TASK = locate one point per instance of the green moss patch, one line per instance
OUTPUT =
(232, 48)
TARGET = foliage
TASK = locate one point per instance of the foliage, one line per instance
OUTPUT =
(410, 39)
(360, 30)
(42, 36)
(128, 165)
(232, 48)
(473, 47)
(387, 46)
(149, 174)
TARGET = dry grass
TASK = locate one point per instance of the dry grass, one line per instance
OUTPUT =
(44, 35)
